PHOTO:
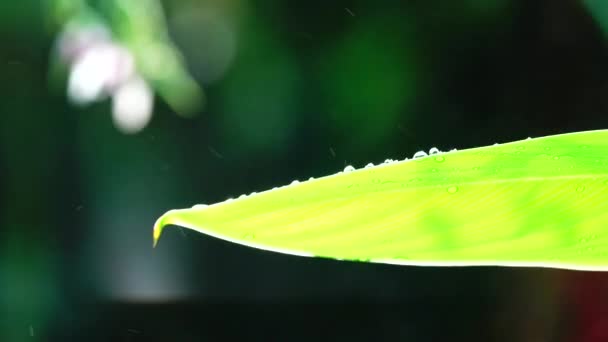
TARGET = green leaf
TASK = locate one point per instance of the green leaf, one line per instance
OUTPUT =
(538, 202)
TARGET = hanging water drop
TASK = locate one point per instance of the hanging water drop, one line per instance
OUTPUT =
(349, 168)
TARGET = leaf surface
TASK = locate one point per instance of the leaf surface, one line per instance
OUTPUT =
(539, 202)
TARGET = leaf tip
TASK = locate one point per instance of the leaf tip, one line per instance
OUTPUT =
(159, 225)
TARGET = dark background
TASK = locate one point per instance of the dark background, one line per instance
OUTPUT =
(305, 88)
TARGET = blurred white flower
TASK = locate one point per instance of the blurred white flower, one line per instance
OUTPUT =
(132, 104)
(98, 70)
(99, 66)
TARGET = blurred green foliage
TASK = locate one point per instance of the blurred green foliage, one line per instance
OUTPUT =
(259, 94)
(599, 11)
(291, 90)
(370, 77)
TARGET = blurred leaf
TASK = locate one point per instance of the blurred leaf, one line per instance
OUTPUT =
(537, 202)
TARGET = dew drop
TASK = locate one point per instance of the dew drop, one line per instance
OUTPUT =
(389, 161)
(242, 196)
(439, 159)
(311, 178)
(419, 154)
(369, 165)
(349, 168)
(452, 189)
(200, 206)
(434, 150)
(295, 182)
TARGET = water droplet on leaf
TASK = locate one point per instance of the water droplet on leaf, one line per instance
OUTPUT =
(434, 150)
(452, 189)
(419, 154)
(349, 168)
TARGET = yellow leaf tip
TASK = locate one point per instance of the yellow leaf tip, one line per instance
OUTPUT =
(157, 231)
